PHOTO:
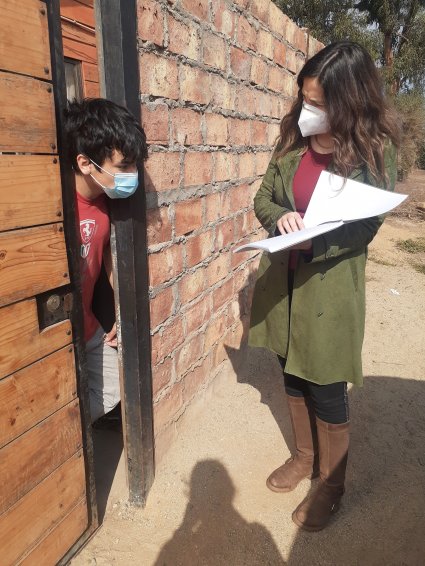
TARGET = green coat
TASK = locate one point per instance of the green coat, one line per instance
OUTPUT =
(321, 336)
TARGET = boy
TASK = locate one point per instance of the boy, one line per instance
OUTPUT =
(106, 145)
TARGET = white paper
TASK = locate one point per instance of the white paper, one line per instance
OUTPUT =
(335, 201)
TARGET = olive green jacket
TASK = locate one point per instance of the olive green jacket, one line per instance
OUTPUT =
(321, 335)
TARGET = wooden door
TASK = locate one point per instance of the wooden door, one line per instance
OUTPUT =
(45, 505)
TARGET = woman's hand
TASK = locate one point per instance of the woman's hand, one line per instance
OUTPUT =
(293, 222)
(290, 222)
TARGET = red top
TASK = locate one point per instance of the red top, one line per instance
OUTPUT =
(94, 236)
(305, 179)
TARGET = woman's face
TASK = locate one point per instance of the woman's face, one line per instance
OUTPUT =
(313, 93)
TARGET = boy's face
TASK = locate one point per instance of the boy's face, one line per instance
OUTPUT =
(112, 165)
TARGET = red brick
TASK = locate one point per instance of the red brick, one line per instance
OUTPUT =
(291, 60)
(300, 40)
(213, 207)
(299, 62)
(183, 39)
(197, 168)
(197, 8)
(167, 340)
(215, 331)
(222, 93)
(162, 374)
(246, 165)
(192, 285)
(279, 55)
(168, 407)
(162, 171)
(189, 354)
(277, 20)
(260, 9)
(158, 226)
(247, 34)
(165, 264)
(219, 354)
(273, 132)
(224, 19)
(225, 234)
(277, 79)
(259, 132)
(240, 132)
(245, 100)
(223, 294)
(214, 50)
(242, 3)
(150, 22)
(237, 199)
(265, 44)
(262, 160)
(186, 126)
(195, 85)
(198, 248)
(155, 122)
(218, 269)
(240, 63)
(158, 76)
(291, 32)
(196, 378)
(197, 315)
(188, 216)
(259, 70)
(161, 307)
(263, 104)
(216, 129)
(224, 166)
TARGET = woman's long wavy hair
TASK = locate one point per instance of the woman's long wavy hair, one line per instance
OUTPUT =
(360, 119)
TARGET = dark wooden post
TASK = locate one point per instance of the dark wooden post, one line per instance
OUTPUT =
(118, 27)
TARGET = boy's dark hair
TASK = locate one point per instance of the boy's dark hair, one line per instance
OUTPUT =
(96, 127)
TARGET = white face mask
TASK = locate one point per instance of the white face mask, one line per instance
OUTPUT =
(312, 121)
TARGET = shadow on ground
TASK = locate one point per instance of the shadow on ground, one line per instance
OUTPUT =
(108, 447)
(381, 519)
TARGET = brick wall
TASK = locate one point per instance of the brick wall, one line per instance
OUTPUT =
(216, 78)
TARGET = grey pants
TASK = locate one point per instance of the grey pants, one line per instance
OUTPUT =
(103, 374)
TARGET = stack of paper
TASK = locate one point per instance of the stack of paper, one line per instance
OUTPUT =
(335, 201)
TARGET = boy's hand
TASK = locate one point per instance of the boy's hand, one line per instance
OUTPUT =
(111, 338)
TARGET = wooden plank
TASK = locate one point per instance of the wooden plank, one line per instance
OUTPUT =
(30, 191)
(25, 524)
(51, 549)
(21, 341)
(26, 461)
(27, 115)
(32, 394)
(24, 38)
(78, 33)
(80, 51)
(78, 11)
(32, 260)
(91, 90)
(90, 72)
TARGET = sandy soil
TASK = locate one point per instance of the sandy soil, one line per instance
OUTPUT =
(209, 504)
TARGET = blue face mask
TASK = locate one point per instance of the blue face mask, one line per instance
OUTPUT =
(125, 184)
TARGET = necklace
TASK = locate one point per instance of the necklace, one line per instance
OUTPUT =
(321, 145)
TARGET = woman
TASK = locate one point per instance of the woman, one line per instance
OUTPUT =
(309, 303)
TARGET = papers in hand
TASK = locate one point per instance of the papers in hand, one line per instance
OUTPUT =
(335, 201)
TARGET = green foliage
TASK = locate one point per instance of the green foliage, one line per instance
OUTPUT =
(393, 31)
(411, 109)
(411, 246)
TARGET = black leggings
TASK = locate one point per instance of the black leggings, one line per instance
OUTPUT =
(330, 401)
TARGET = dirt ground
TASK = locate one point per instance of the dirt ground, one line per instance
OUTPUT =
(209, 504)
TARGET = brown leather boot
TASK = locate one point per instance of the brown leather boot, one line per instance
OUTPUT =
(304, 464)
(315, 511)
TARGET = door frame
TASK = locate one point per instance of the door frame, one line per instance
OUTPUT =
(76, 312)
(116, 24)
